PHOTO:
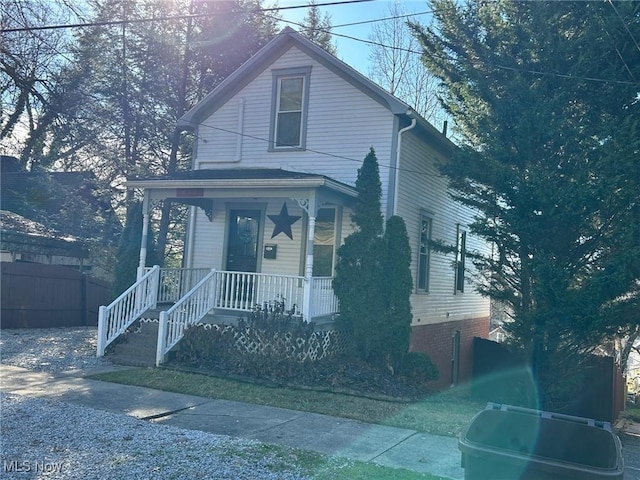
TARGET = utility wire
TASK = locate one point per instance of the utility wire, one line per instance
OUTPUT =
(626, 27)
(501, 67)
(157, 19)
(348, 37)
(319, 152)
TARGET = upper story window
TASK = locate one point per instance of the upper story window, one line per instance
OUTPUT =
(289, 106)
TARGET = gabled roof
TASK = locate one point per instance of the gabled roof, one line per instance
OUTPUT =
(22, 234)
(268, 54)
(282, 42)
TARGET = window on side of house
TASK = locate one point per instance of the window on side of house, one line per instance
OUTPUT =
(424, 254)
(461, 249)
(288, 125)
(324, 242)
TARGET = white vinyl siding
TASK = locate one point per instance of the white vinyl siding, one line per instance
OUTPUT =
(343, 123)
(424, 189)
(209, 249)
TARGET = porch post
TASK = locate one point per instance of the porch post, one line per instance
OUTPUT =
(308, 270)
(145, 234)
(307, 308)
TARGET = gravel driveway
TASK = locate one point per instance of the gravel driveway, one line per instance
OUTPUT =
(44, 439)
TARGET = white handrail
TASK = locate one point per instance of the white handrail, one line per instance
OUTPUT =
(189, 310)
(115, 318)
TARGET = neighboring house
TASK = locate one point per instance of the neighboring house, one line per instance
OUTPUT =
(276, 156)
(24, 240)
(41, 205)
(498, 334)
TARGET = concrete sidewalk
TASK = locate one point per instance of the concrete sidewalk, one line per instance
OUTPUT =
(388, 446)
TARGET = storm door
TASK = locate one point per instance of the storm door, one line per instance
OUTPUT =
(243, 240)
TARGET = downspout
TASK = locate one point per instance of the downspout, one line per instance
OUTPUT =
(398, 150)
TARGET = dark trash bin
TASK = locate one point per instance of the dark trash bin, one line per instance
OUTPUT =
(503, 442)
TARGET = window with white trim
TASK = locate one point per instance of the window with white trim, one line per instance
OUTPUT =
(324, 242)
(288, 124)
(461, 253)
(424, 254)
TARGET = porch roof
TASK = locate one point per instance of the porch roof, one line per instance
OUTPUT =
(270, 178)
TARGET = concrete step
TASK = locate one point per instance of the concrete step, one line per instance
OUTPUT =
(137, 348)
(132, 361)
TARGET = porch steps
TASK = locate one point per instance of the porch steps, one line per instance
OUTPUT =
(138, 347)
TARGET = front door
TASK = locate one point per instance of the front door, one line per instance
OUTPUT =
(243, 240)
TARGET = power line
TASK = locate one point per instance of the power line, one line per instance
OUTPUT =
(263, 11)
(385, 19)
(159, 19)
(626, 27)
(501, 67)
(319, 152)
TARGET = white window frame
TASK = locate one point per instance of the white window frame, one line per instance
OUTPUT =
(278, 75)
(424, 217)
(461, 257)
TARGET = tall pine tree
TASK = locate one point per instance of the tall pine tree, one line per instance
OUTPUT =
(550, 164)
(317, 28)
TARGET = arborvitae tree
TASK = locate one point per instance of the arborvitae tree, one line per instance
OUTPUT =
(317, 28)
(395, 332)
(128, 256)
(360, 268)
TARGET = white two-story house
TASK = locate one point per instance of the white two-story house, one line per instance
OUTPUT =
(276, 154)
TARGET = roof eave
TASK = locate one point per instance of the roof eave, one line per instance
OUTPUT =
(229, 184)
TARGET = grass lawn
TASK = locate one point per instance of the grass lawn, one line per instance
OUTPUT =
(439, 414)
(323, 467)
(632, 414)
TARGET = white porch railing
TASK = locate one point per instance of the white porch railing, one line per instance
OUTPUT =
(323, 300)
(114, 319)
(240, 291)
(176, 282)
(243, 291)
(189, 310)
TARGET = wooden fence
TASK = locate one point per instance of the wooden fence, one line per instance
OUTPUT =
(39, 296)
(596, 389)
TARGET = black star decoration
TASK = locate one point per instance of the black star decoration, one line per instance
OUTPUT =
(283, 222)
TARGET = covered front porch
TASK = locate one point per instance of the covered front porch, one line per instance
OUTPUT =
(254, 236)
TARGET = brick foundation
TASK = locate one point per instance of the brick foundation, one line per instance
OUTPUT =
(436, 340)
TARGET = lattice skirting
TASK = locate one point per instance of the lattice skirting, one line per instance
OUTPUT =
(318, 345)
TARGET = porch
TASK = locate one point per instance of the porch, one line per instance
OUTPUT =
(243, 291)
(181, 297)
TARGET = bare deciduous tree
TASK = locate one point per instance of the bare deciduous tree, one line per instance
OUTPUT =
(396, 65)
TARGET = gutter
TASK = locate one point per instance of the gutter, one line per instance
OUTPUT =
(414, 121)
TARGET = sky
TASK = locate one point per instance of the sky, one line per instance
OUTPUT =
(353, 52)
